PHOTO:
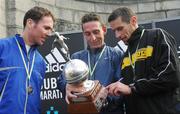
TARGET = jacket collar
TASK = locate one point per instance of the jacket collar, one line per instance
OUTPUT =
(22, 43)
(135, 35)
(96, 50)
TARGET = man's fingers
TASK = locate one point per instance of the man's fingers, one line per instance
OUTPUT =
(69, 96)
(117, 92)
(72, 95)
(111, 89)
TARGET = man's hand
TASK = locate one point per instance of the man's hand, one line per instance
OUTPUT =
(103, 93)
(118, 89)
(69, 92)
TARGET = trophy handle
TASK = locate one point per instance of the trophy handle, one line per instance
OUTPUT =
(63, 48)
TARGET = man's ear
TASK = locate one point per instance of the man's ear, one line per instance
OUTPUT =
(29, 23)
(104, 29)
(133, 20)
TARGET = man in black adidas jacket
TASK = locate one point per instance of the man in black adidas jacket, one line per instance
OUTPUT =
(150, 68)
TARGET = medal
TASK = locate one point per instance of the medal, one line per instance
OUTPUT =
(30, 89)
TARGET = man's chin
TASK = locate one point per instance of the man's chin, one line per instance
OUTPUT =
(40, 43)
(95, 47)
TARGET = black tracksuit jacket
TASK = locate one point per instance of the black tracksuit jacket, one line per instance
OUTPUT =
(155, 79)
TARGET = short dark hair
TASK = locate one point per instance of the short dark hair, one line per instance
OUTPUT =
(91, 17)
(123, 12)
(37, 13)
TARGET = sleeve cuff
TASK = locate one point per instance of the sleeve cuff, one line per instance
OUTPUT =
(133, 88)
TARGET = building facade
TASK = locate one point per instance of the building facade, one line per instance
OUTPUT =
(69, 12)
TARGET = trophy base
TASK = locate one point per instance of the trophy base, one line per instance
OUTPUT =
(88, 103)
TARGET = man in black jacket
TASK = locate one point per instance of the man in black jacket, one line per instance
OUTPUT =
(150, 68)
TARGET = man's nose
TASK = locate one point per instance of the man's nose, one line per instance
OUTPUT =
(93, 37)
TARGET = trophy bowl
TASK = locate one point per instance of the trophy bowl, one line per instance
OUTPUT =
(76, 71)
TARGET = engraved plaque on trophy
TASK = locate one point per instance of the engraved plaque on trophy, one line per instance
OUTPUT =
(90, 99)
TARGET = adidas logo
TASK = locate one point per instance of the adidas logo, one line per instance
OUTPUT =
(54, 61)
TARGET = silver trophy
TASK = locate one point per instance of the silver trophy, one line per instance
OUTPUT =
(90, 98)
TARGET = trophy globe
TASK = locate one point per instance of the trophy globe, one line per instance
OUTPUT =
(76, 73)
